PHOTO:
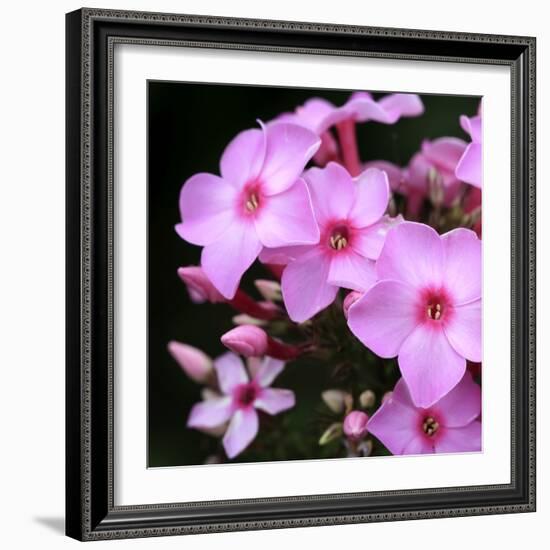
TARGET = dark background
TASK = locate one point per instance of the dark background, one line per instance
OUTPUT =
(189, 126)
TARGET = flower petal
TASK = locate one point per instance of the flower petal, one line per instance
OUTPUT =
(464, 331)
(230, 372)
(287, 218)
(226, 260)
(419, 446)
(274, 400)
(243, 158)
(283, 255)
(373, 193)
(369, 241)
(472, 126)
(462, 271)
(253, 365)
(304, 285)
(332, 192)
(468, 168)
(395, 425)
(444, 152)
(312, 114)
(384, 317)
(417, 176)
(400, 105)
(289, 147)
(394, 172)
(461, 405)
(429, 364)
(327, 151)
(206, 208)
(268, 370)
(210, 413)
(460, 440)
(402, 394)
(351, 270)
(241, 431)
(413, 253)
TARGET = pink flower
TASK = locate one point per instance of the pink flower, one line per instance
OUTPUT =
(387, 110)
(431, 173)
(425, 308)
(377, 235)
(194, 362)
(253, 341)
(259, 200)
(450, 425)
(347, 212)
(469, 166)
(241, 398)
(355, 425)
(319, 115)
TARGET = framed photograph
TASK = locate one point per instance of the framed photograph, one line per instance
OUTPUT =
(300, 274)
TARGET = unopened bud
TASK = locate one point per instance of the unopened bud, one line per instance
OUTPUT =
(194, 362)
(355, 425)
(367, 399)
(435, 187)
(270, 290)
(335, 400)
(244, 319)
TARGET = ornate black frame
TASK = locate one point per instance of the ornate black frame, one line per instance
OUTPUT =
(90, 510)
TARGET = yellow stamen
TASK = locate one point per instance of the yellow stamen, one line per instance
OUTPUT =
(338, 242)
(430, 426)
(434, 311)
(252, 203)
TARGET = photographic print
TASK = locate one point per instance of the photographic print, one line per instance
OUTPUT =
(277, 243)
(314, 274)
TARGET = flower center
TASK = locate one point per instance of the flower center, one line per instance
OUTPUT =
(339, 238)
(246, 394)
(252, 202)
(430, 426)
(434, 311)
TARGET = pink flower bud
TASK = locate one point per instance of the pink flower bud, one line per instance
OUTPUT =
(247, 340)
(355, 425)
(252, 341)
(199, 286)
(350, 299)
(195, 363)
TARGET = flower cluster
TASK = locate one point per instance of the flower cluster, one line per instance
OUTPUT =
(373, 267)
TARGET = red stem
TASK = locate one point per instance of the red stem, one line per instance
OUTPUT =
(348, 146)
(245, 304)
(279, 350)
(276, 270)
